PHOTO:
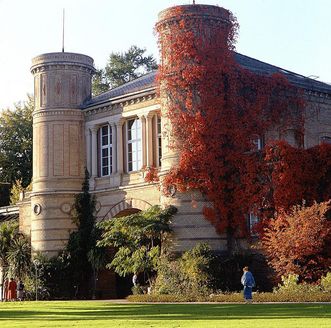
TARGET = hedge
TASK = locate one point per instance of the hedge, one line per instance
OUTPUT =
(236, 298)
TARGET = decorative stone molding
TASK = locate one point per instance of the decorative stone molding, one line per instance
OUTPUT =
(66, 208)
(112, 107)
(62, 60)
(317, 94)
(126, 204)
(57, 112)
(37, 209)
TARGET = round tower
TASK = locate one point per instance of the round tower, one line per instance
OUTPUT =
(207, 27)
(62, 82)
(203, 21)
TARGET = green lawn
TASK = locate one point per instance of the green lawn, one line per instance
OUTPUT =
(106, 314)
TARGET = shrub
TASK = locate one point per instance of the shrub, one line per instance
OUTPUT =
(291, 286)
(187, 275)
(326, 282)
(317, 296)
(299, 242)
(137, 290)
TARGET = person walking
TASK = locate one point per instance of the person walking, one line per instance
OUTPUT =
(247, 280)
(5, 290)
(12, 295)
(135, 280)
(20, 290)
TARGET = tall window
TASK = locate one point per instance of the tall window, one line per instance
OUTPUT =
(106, 150)
(134, 147)
(252, 221)
(257, 142)
(159, 140)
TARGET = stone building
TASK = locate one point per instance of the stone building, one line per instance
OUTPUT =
(115, 135)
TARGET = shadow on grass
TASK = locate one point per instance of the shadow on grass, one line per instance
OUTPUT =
(104, 311)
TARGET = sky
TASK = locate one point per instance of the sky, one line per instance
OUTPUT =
(292, 34)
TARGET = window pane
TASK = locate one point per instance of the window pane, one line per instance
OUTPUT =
(105, 161)
(104, 152)
(104, 130)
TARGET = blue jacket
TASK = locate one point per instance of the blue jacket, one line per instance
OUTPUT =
(247, 279)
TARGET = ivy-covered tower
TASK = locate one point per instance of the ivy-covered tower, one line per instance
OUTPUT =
(62, 83)
(203, 24)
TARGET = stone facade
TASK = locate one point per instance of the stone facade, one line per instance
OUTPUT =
(116, 135)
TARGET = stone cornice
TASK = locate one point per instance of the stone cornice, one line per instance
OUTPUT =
(47, 67)
(317, 94)
(112, 105)
(57, 112)
(62, 60)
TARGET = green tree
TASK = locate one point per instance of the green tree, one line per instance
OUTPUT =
(122, 68)
(82, 241)
(137, 239)
(16, 143)
(19, 256)
(15, 191)
(8, 231)
(97, 257)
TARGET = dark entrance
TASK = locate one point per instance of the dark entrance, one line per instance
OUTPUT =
(109, 284)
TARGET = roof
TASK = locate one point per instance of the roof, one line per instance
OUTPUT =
(259, 67)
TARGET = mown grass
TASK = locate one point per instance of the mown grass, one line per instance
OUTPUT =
(105, 314)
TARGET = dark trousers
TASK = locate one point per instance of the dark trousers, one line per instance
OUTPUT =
(247, 293)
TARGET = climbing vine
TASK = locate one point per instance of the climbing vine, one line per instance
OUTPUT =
(217, 110)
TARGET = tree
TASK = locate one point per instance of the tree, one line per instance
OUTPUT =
(300, 242)
(82, 241)
(16, 191)
(15, 250)
(16, 143)
(8, 231)
(19, 256)
(122, 68)
(137, 239)
(97, 257)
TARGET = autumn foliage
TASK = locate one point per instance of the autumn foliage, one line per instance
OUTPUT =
(299, 242)
(217, 110)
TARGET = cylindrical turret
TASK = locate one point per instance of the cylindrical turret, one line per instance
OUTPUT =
(207, 29)
(62, 82)
(202, 22)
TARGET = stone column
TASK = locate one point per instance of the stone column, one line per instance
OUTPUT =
(149, 140)
(114, 147)
(143, 140)
(119, 127)
(94, 152)
(88, 150)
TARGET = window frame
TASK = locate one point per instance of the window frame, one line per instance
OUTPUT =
(106, 146)
(252, 220)
(134, 145)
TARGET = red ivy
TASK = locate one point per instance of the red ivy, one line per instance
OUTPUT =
(216, 108)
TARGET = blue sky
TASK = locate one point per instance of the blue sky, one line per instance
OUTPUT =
(292, 34)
